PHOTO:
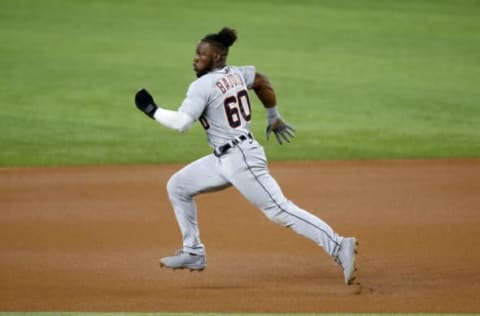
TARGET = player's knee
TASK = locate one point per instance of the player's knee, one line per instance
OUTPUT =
(173, 187)
(176, 188)
(276, 215)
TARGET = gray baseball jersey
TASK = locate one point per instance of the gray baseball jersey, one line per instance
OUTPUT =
(219, 100)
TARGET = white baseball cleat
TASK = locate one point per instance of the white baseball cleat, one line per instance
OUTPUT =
(184, 260)
(346, 258)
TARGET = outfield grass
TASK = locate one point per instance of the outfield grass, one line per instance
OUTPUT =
(359, 79)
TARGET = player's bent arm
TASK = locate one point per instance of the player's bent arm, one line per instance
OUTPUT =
(276, 124)
(264, 90)
(265, 93)
(176, 120)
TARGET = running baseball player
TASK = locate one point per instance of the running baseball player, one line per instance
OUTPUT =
(220, 101)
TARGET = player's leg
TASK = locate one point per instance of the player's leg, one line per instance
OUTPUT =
(247, 171)
(197, 177)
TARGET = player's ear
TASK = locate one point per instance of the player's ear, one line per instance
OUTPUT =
(217, 57)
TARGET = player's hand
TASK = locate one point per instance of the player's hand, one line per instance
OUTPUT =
(144, 102)
(282, 130)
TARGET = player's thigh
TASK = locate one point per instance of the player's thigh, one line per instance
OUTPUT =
(251, 177)
(199, 176)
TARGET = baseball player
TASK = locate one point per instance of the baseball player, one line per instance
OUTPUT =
(220, 101)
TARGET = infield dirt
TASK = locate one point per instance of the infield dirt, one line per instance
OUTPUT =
(89, 239)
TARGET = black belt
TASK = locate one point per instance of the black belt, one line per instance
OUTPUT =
(221, 150)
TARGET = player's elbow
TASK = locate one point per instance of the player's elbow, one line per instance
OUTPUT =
(184, 123)
(182, 128)
(178, 121)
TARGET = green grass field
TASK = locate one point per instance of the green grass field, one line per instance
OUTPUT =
(359, 79)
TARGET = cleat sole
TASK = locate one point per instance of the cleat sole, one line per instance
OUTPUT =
(355, 270)
(162, 265)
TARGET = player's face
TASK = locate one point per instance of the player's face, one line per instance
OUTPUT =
(203, 61)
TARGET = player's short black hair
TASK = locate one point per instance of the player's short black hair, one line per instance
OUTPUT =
(222, 40)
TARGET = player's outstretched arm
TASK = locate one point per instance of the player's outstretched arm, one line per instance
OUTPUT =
(276, 124)
(175, 120)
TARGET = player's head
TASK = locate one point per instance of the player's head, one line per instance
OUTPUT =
(212, 51)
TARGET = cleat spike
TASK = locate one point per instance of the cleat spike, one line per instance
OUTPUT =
(350, 282)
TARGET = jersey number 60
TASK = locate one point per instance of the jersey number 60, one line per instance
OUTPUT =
(236, 106)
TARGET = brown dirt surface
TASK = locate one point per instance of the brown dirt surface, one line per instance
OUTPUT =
(89, 239)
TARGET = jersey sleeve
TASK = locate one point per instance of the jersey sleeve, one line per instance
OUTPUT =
(248, 73)
(196, 100)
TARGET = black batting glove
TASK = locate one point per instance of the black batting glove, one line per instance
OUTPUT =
(144, 102)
